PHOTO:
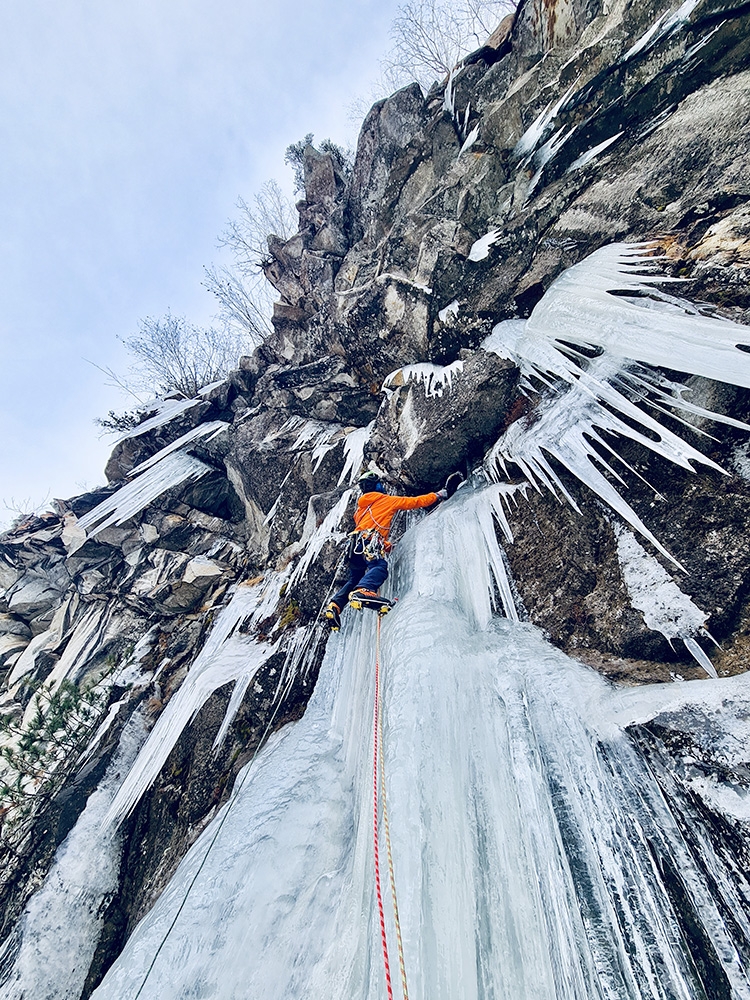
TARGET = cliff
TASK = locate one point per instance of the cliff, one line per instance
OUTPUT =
(586, 124)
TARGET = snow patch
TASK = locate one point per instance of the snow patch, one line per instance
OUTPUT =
(481, 247)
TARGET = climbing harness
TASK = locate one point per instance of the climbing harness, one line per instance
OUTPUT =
(368, 543)
(379, 794)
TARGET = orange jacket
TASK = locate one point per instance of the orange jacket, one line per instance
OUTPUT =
(376, 510)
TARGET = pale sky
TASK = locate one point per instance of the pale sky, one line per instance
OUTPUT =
(127, 133)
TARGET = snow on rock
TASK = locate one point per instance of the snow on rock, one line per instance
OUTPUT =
(449, 312)
(481, 247)
(317, 435)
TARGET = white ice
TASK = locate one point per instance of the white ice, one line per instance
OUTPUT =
(450, 311)
(208, 430)
(588, 401)
(166, 410)
(666, 24)
(654, 593)
(592, 153)
(528, 836)
(354, 450)
(481, 247)
(48, 955)
(539, 128)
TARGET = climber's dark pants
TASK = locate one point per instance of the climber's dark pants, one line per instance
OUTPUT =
(368, 575)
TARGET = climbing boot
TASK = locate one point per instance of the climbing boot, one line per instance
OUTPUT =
(361, 598)
(332, 617)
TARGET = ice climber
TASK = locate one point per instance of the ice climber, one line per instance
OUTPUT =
(369, 545)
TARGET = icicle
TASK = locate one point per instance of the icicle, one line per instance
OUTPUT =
(166, 410)
(654, 593)
(313, 539)
(529, 837)
(225, 657)
(435, 378)
(578, 309)
(210, 430)
(592, 153)
(354, 449)
(481, 247)
(539, 128)
(131, 499)
(471, 138)
(666, 25)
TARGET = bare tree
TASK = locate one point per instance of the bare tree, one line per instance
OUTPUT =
(269, 214)
(430, 36)
(172, 354)
(244, 295)
(245, 299)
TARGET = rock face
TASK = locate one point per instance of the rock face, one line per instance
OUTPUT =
(581, 123)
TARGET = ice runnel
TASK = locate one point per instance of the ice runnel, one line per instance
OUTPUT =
(533, 849)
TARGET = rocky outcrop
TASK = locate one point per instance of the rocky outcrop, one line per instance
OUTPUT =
(580, 124)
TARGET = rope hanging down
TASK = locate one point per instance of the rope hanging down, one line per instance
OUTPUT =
(379, 791)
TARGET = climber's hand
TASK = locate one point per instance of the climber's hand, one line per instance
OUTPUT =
(442, 494)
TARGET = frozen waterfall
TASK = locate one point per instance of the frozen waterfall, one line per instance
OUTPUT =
(532, 846)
